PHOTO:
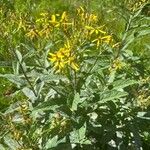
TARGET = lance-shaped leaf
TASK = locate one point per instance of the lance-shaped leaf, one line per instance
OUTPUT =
(75, 102)
(111, 95)
(120, 84)
(29, 93)
(14, 79)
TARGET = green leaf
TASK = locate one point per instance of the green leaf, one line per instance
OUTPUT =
(5, 64)
(51, 143)
(144, 32)
(79, 136)
(19, 55)
(15, 66)
(120, 84)
(75, 102)
(54, 142)
(12, 144)
(111, 95)
(29, 93)
(82, 132)
(14, 79)
(48, 46)
(144, 115)
(112, 76)
(1, 147)
(129, 40)
(39, 87)
(48, 105)
(46, 108)
(51, 77)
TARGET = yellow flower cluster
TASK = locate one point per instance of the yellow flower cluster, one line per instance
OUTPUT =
(85, 16)
(64, 58)
(117, 64)
(56, 20)
(84, 26)
(45, 24)
(100, 36)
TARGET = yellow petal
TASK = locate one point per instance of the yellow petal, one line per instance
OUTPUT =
(88, 27)
(64, 16)
(101, 31)
(75, 66)
(53, 18)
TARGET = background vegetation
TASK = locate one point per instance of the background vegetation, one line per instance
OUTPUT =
(74, 74)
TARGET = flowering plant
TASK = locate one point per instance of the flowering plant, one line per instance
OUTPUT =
(80, 77)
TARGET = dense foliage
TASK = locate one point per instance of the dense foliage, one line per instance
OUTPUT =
(75, 75)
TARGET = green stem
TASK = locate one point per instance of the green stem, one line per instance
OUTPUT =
(24, 73)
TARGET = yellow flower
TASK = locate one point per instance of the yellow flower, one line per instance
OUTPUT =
(116, 45)
(21, 25)
(96, 30)
(118, 64)
(64, 17)
(44, 14)
(106, 39)
(72, 63)
(93, 18)
(82, 14)
(59, 65)
(32, 34)
(54, 22)
(80, 10)
(64, 58)
(56, 57)
(98, 41)
(45, 32)
(67, 45)
(53, 57)
(58, 60)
